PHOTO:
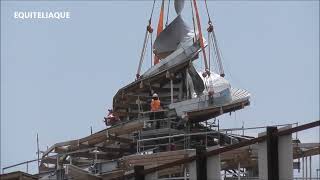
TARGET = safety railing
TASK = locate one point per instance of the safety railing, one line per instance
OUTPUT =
(222, 150)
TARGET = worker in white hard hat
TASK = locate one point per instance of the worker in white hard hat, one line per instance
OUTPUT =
(155, 107)
(155, 103)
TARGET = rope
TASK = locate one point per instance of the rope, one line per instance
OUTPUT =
(145, 46)
(151, 48)
(218, 54)
(201, 38)
(215, 64)
(168, 11)
(214, 42)
(205, 2)
(154, 1)
(146, 37)
(209, 52)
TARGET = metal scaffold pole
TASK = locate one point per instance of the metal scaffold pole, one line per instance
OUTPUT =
(38, 153)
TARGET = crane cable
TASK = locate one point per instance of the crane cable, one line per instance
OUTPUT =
(207, 72)
(151, 50)
(209, 50)
(205, 2)
(218, 53)
(154, 1)
(209, 39)
(149, 31)
(214, 43)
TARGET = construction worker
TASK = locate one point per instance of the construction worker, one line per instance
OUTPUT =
(111, 119)
(155, 103)
(155, 107)
(171, 147)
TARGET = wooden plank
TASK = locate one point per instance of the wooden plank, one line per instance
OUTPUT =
(233, 164)
(211, 112)
(95, 138)
(113, 149)
(152, 160)
(121, 139)
(90, 155)
(306, 145)
(17, 175)
(309, 152)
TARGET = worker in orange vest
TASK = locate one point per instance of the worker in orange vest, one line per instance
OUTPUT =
(155, 103)
(155, 107)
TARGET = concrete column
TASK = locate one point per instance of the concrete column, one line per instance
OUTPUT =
(268, 156)
(185, 174)
(285, 158)
(262, 159)
(213, 166)
(152, 176)
(192, 168)
(285, 150)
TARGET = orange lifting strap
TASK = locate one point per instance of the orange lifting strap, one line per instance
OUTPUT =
(200, 36)
(160, 28)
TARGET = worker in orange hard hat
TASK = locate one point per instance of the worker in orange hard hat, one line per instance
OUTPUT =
(155, 103)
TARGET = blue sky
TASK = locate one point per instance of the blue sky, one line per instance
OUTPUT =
(58, 76)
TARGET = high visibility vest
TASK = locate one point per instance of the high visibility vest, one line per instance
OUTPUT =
(155, 105)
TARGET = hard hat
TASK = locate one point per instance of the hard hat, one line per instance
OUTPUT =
(155, 95)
